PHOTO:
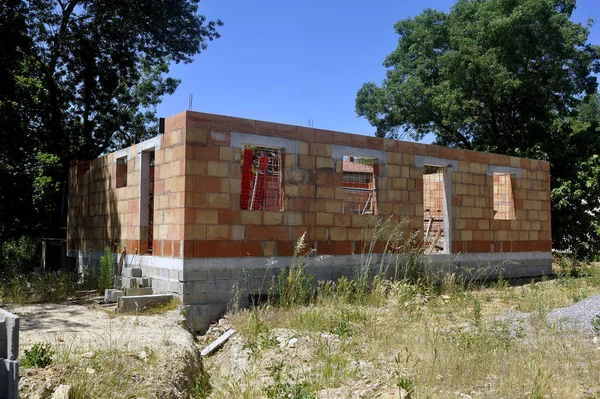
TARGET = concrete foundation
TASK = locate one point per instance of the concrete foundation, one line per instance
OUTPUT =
(207, 286)
(9, 352)
(131, 304)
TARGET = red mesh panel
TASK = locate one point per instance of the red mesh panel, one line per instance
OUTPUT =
(359, 186)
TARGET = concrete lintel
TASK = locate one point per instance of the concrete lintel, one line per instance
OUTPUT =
(491, 169)
(239, 139)
(153, 143)
(142, 302)
(422, 160)
(340, 151)
(161, 262)
(124, 153)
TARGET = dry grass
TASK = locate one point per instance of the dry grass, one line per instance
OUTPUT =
(444, 345)
(432, 338)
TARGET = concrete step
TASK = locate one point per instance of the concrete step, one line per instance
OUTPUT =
(128, 304)
(112, 296)
(137, 291)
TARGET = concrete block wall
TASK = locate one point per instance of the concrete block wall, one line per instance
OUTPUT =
(9, 352)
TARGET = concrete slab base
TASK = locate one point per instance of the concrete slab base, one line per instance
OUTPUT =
(137, 291)
(132, 304)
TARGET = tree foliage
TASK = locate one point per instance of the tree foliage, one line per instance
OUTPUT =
(78, 78)
(508, 76)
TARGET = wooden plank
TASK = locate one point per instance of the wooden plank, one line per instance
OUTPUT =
(217, 343)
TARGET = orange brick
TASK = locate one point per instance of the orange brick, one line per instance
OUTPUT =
(337, 233)
(303, 147)
(333, 206)
(307, 190)
(175, 184)
(394, 170)
(207, 217)
(206, 153)
(196, 135)
(226, 154)
(269, 248)
(219, 200)
(325, 163)
(325, 192)
(307, 161)
(342, 220)
(291, 190)
(251, 217)
(319, 149)
(290, 160)
(325, 219)
(217, 169)
(194, 167)
(217, 233)
(466, 235)
(293, 218)
(272, 218)
(195, 232)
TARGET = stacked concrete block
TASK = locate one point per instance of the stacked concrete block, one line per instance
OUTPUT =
(9, 352)
(112, 295)
(134, 282)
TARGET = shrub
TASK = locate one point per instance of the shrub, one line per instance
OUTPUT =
(17, 257)
(106, 275)
(39, 356)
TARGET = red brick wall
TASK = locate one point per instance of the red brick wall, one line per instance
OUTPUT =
(197, 195)
(216, 227)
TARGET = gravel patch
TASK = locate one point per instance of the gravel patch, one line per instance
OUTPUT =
(577, 316)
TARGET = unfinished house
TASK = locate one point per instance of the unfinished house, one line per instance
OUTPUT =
(215, 204)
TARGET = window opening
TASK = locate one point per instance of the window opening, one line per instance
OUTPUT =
(359, 186)
(146, 216)
(261, 179)
(433, 208)
(150, 233)
(121, 172)
(504, 199)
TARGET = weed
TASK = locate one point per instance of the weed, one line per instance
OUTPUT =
(107, 271)
(285, 385)
(476, 313)
(39, 356)
(202, 387)
(294, 286)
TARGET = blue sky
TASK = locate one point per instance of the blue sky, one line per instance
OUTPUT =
(291, 61)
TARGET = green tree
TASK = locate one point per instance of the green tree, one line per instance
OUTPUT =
(79, 78)
(507, 76)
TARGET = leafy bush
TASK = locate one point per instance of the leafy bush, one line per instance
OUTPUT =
(39, 356)
(17, 257)
(106, 275)
(37, 288)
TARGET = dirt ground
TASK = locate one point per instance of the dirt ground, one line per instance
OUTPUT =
(98, 351)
